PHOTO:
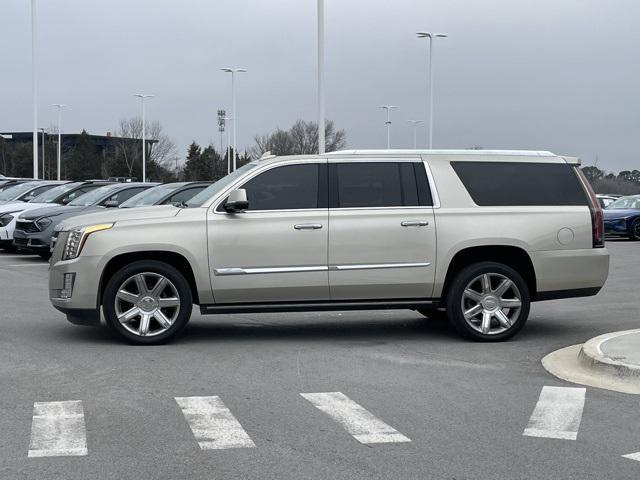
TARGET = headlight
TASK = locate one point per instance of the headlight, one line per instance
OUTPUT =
(43, 223)
(5, 219)
(77, 237)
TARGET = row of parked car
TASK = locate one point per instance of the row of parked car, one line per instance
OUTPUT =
(31, 209)
(621, 215)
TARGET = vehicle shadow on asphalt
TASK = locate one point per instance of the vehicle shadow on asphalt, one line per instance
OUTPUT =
(379, 330)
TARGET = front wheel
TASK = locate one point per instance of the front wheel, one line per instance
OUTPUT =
(488, 302)
(147, 302)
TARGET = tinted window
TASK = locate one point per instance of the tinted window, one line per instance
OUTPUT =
(124, 195)
(184, 195)
(379, 184)
(289, 187)
(515, 183)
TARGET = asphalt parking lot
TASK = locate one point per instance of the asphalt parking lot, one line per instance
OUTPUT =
(443, 407)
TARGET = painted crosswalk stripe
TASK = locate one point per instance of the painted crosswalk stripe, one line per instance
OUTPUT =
(557, 414)
(58, 430)
(633, 456)
(212, 423)
(355, 419)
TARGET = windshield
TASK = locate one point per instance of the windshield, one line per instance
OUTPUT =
(625, 202)
(151, 196)
(52, 195)
(16, 191)
(94, 196)
(217, 187)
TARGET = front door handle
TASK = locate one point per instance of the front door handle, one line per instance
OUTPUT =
(307, 226)
(414, 223)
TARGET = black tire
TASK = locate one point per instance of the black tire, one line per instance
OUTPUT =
(152, 267)
(434, 314)
(634, 230)
(455, 301)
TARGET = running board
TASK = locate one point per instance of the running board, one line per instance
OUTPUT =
(411, 304)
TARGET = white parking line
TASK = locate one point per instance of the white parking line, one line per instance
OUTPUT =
(212, 423)
(20, 265)
(557, 414)
(58, 430)
(355, 419)
(633, 456)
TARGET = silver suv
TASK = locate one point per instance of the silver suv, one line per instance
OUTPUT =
(475, 235)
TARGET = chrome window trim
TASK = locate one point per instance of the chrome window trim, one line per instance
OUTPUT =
(314, 268)
(435, 198)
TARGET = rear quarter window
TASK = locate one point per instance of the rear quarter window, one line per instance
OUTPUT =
(520, 183)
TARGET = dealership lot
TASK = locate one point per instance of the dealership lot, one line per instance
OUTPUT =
(309, 395)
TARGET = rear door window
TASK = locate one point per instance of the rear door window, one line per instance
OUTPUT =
(521, 183)
(379, 184)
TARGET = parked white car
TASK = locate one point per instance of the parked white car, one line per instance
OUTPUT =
(61, 195)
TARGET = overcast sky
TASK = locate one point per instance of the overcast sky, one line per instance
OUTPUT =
(559, 75)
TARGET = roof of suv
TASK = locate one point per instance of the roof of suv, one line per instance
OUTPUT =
(480, 155)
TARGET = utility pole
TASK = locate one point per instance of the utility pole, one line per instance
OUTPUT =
(431, 37)
(34, 87)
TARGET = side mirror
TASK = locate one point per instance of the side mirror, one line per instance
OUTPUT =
(237, 201)
(111, 203)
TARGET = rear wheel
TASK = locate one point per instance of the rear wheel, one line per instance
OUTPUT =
(634, 230)
(488, 302)
(147, 302)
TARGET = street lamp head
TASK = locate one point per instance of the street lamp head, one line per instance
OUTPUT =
(431, 35)
(233, 70)
(415, 122)
(59, 105)
(143, 95)
(388, 107)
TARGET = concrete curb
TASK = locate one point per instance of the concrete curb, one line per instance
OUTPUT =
(592, 357)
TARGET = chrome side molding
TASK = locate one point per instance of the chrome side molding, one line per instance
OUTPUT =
(314, 268)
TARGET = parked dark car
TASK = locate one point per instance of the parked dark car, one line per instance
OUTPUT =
(34, 228)
(622, 217)
(166, 194)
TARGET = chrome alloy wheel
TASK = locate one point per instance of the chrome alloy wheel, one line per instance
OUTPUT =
(147, 304)
(491, 303)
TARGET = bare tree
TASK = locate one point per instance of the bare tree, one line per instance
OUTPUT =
(301, 139)
(160, 148)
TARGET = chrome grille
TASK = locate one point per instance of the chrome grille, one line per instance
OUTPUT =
(26, 226)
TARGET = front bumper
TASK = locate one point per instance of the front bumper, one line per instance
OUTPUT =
(35, 242)
(86, 285)
(616, 227)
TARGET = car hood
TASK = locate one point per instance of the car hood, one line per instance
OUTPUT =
(52, 211)
(111, 215)
(21, 207)
(613, 213)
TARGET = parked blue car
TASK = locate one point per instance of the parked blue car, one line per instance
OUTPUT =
(622, 217)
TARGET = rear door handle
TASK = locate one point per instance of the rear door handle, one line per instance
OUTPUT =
(307, 226)
(414, 223)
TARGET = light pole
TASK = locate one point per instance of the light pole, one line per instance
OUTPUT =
(228, 119)
(142, 97)
(34, 88)
(43, 149)
(388, 108)
(415, 124)
(59, 106)
(233, 72)
(431, 37)
(321, 134)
